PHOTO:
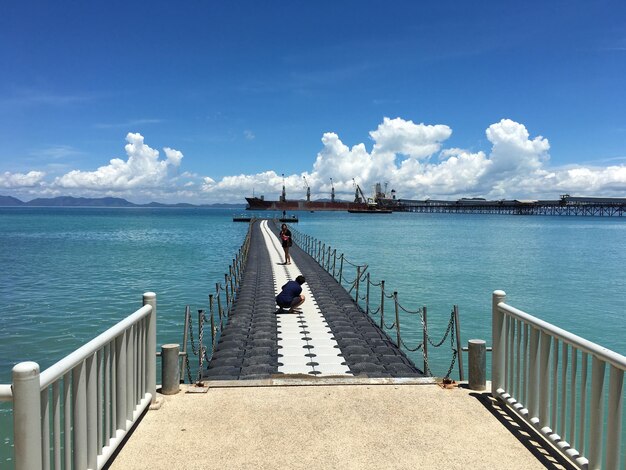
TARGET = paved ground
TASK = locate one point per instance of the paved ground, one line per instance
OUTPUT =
(327, 426)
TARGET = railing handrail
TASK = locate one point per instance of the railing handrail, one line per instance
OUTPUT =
(100, 390)
(587, 346)
(535, 370)
(57, 370)
(6, 393)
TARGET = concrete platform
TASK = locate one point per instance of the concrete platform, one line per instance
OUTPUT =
(330, 423)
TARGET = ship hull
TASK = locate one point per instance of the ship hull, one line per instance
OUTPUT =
(257, 204)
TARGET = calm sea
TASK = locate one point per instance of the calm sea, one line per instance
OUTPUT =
(68, 274)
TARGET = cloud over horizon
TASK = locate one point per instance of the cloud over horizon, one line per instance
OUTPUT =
(143, 169)
(411, 157)
(21, 180)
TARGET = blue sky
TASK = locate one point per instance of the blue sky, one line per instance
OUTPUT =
(242, 92)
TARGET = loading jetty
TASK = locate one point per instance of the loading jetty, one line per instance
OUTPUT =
(565, 206)
(326, 387)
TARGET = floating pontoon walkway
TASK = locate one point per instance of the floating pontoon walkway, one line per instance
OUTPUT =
(330, 337)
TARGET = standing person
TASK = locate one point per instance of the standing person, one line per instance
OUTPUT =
(285, 236)
(291, 295)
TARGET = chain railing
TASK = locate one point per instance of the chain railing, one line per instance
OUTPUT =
(220, 306)
(363, 291)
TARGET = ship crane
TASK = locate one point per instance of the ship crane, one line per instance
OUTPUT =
(332, 191)
(283, 196)
(359, 197)
(308, 189)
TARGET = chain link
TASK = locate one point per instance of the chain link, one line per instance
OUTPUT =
(201, 349)
(193, 350)
(450, 331)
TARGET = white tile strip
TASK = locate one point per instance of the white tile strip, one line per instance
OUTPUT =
(304, 340)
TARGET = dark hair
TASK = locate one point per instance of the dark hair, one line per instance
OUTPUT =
(300, 280)
(283, 226)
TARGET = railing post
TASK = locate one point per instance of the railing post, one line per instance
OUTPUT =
(544, 380)
(149, 298)
(212, 331)
(334, 261)
(212, 310)
(91, 375)
(341, 269)
(185, 333)
(79, 408)
(120, 382)
(26, 416)
(358, 280)
(458, 344)
(498, 342)
(533, 373)
(367, 296)
(328, 259)
(226, 290)
(395, 302)
(201, 341)
(219, 300)
(614, 420)
(425, 338)
(232, 289)
(596, 410)
(382, 305)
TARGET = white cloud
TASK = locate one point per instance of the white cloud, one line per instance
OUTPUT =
(516, 166)
(174, 157)
(411, 157)
(397, 136)
(142, 169)
(21, 180)
(513, 151)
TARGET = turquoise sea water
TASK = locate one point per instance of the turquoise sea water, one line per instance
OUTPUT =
(68, 274)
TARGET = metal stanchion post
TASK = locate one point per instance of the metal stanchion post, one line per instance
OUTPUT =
(425, 339)
(395, 301)
(382, 305)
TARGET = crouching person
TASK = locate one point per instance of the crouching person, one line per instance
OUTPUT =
(291, 296)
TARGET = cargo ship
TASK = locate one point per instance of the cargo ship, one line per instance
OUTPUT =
(360, 203)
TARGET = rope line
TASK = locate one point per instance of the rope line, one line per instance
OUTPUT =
(322, 254)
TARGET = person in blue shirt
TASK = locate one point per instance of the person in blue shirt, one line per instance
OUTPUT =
(291, 296)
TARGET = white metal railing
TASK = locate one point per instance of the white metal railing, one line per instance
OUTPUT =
(581, 413)
(75, 413)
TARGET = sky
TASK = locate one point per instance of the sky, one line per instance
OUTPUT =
(212, 101)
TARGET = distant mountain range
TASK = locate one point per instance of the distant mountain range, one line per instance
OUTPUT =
(69, 201)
